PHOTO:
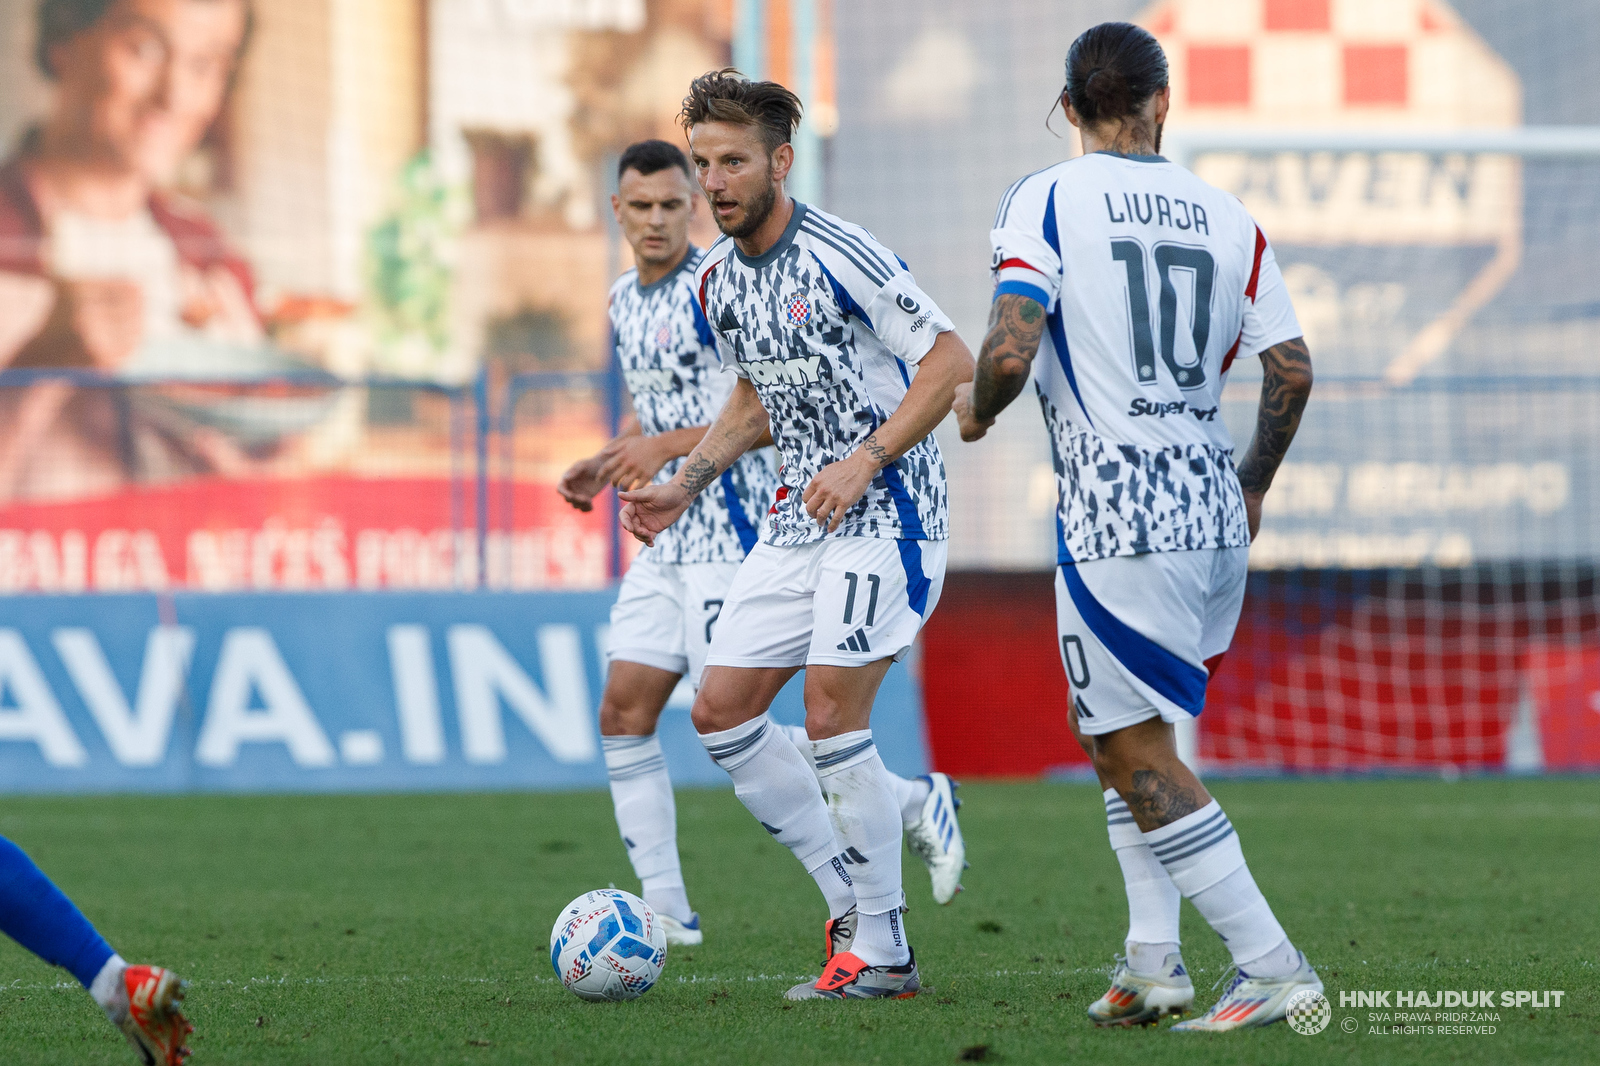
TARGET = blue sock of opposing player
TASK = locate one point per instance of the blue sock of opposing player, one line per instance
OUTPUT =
(37, 915)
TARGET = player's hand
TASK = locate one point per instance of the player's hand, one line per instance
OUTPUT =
(837, 487)
(581, 483)
(652, 508)
(1252, 511)
(971, 428)
(632, 461)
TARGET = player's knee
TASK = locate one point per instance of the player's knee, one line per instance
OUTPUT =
(712, 714)
(626, 718)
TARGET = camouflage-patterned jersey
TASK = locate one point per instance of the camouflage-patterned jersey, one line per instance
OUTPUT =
(1152, 282)
(829, 326)
(669, 360)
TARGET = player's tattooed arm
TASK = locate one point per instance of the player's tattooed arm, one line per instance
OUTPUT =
(741, 425)
(1016, 324)
(1285, 388)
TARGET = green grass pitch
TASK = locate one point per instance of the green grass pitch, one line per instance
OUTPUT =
(414, 929)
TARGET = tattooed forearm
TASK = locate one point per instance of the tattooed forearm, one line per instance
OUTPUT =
(1015, 325)
(1158, 800)
(879, 453)
(1285, 387)
(742, 422)
(698, 473)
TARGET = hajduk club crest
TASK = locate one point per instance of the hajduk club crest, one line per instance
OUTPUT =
(799, 310)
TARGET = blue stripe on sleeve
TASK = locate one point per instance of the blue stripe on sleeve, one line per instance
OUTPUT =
(1181, 682)
(1022, 288)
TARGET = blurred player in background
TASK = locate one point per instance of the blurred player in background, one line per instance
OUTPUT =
(97, 259)
(674, 591)
(831, 337)
(143, 1001)
(1142, 284)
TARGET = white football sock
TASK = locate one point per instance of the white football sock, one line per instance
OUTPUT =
(110, 991)
(641, 792)
(1153, 900)
(881, 939)
(910, 792)
(802, 742)
(866, 821)
(777, 786)
(1202, 855)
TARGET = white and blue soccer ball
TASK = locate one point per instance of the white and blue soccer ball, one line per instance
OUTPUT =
(608, 945)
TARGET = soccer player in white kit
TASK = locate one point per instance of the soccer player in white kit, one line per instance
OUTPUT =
(674, 591)
(1138, 285)
(830, 335)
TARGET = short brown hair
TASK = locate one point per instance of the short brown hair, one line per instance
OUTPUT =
(728, 96)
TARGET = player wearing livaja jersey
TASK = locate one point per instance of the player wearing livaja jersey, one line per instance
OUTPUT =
(832, 339)
(674, 591)
(1129, 287)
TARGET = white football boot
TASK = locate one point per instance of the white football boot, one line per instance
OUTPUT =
(1250, 1002)
(682, 934)
(935, 837)
(1142, 998)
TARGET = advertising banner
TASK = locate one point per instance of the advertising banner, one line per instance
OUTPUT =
(345, 691)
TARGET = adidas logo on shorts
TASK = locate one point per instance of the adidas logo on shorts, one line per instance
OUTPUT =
(856, 641)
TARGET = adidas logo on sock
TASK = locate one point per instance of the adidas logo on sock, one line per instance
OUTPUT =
(853, 857)
(856, 641)
(774, 830)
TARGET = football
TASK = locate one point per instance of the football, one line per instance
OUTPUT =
(608, 945)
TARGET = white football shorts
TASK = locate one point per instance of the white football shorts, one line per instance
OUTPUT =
(665, 614)
(1140, 634)
(844, 601)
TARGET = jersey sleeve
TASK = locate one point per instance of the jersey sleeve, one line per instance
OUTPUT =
(873, 284)
(707, 333)
(1026, 242)
(1269, 316)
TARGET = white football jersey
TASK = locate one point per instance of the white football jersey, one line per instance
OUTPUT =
(829, 326)
(1153, 283)
(677, 381)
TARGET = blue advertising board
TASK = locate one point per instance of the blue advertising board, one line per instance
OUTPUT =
(335, 692)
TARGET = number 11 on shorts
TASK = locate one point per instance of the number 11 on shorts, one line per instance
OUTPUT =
(850, 597)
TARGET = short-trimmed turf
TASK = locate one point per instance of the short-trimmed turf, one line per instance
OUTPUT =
(414, 929)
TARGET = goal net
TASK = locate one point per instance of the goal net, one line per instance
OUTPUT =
(1423, 593)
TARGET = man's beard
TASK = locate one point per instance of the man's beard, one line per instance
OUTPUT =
(756, 214)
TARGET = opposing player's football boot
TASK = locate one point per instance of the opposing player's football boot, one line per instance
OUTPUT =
(840, 934)
(682, 934)
(847, 977)
(1142, 998)
(1251, 1002)
(935, 837)
(155, 1024)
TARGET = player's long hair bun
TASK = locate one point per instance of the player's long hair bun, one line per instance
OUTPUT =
(1112, 69)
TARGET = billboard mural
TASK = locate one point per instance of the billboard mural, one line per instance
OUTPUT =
(335, 691)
